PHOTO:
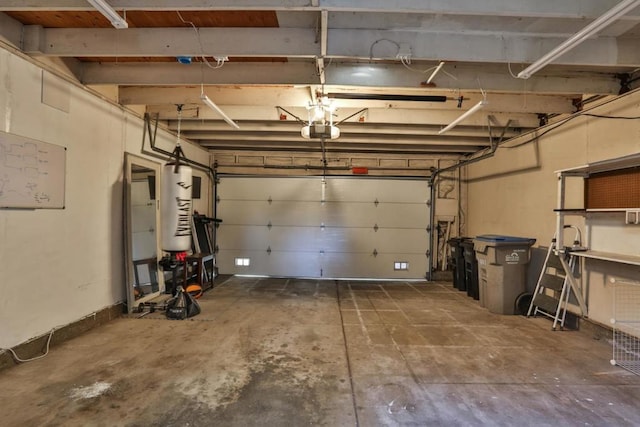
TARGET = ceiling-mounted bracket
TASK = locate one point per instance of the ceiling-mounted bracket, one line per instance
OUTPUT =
(147, 128)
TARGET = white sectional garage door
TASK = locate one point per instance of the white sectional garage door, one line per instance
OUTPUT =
(362, 228)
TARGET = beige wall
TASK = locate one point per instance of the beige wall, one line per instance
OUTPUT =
(59, 265)
(514, 193)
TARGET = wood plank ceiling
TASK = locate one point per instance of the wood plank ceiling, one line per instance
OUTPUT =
(264, 62)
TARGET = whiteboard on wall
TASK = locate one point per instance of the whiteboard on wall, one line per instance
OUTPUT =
(32, 173)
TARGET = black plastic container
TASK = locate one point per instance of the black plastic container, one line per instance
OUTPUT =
(470, 269)
(457, 261)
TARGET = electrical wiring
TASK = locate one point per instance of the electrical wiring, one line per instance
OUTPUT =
(18, 359)
(378, 41)
(611, 117)
(406, 61)
(568, 119)
(515, 76)
(220, 61)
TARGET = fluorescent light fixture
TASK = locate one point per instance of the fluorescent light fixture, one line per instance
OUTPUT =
(104, 8)
(480, 105)
(596, 26)
(217, 109)
(438, 68)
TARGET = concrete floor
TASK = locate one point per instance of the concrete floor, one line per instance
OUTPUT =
(287, 352)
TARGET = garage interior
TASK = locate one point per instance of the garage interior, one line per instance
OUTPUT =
(363, 174)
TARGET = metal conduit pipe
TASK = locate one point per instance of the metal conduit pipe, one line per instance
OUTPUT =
(432, 187)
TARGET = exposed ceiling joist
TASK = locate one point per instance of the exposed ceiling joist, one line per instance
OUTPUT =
(378, 129)
(425, 140)
(465, 76)
(577, 9)
(362, 98)
(149, 42)
(371, 115)
(301, 43)
(10, 30)
(347, 148)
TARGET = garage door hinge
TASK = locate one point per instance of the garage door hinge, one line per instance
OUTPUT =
(216, 249)
(428, 202)
(428, 228)
(428, 253)
(270, 200)
(376, 203)
(375, 227)
(269, 225)
(217, 199)
(269, 250)
(375, 252)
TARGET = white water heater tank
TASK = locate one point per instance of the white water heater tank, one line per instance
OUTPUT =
(176, 208)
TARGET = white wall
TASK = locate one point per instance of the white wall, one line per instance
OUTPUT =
(514, 193)
(57, 266)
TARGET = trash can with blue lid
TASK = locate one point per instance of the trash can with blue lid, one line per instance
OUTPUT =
(502, 270)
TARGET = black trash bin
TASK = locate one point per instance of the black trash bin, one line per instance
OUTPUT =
(457, 261)
(470, 268)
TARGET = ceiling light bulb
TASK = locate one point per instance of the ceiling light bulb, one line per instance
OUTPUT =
(335, 132)
(318, 114)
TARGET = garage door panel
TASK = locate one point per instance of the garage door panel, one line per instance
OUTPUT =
(293, 264)
(263, 188)
(243, 212)
(345, 240)
(395, 240)
(299, 214)
(402, 215)
(370, 190)
(277, 213)
(368, 215)
(366, 265)
(243, 237)
(337, 238)
(303, 239)
(350, 214)
(278, 239)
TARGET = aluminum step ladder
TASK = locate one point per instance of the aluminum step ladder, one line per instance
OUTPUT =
(553, 289)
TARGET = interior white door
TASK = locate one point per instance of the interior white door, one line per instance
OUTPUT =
(341, 228)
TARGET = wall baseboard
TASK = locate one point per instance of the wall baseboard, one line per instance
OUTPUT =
(596, 329)
(36, 346)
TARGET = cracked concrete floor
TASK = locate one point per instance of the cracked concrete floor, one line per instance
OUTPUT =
(292, 352)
